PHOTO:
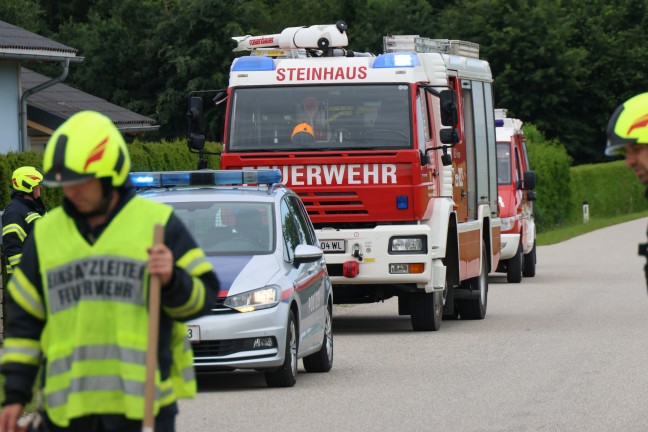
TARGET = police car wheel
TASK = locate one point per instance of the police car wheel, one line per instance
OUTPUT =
(286, 374)
(322, 360)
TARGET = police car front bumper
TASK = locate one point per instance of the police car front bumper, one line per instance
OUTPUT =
(250, 340)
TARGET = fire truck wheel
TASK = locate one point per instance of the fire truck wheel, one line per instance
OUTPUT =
(528, 269)
(475, 309)
(286, 374)
(322, 360)
(514, 267)
(427, 311)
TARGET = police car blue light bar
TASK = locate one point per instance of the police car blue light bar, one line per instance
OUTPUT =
(205, 178)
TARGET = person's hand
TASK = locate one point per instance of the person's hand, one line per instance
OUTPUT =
(9, 418)
(160, 263)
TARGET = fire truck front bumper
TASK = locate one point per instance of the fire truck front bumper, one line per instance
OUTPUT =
(384, 255)
(510, 243)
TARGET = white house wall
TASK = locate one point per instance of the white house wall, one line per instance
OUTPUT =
(9, 107)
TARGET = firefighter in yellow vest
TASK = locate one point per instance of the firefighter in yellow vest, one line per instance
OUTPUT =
(627, 136)
(20, 214)
(78, 299)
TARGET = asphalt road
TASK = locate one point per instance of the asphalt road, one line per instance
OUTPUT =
(566, 350)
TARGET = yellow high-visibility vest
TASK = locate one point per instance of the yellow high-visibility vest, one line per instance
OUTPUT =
(95, 338)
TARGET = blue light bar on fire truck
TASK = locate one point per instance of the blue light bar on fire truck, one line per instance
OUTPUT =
(396, 59)
(205, 178)
(257, 63)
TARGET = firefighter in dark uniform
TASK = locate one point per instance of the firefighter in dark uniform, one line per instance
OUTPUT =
(627, 133)
(18, 217)
(78, 299)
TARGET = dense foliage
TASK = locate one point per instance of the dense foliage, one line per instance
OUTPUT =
(563, 65)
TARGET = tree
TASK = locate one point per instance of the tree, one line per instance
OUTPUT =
(27, 14)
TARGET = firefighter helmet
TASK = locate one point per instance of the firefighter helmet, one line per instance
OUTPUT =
(628, 125)
(25, 179)
(303, 134)
(87, 145)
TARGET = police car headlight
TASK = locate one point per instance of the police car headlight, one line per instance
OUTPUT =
(407, 244)
(261, 298)
(508, 223)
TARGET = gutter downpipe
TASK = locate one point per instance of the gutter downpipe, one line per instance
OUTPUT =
(24, 142)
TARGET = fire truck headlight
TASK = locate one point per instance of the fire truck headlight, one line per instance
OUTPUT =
(508, 223)
(408, 244)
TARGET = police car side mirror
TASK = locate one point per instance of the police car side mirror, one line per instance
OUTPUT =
(307, 254)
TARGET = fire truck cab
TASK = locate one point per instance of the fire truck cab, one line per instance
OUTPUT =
(393, 156)
(516, 182)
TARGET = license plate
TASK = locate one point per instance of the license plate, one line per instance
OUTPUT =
(193, 333)
(332, 246)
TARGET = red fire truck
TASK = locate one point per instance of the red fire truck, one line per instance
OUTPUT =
(516, 183)
(393, 156)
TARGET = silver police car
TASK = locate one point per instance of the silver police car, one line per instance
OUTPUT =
(275, 302)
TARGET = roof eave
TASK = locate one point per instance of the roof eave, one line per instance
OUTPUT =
(40, 55)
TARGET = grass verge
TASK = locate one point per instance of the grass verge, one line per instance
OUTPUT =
(560, 234)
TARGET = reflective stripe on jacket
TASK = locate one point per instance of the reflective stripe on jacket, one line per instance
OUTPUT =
(17, 222)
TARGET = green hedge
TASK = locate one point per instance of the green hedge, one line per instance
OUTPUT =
(610, 189)
(551, 164)
(164, 155)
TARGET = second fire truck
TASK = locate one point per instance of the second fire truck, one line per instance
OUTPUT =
(393, 156)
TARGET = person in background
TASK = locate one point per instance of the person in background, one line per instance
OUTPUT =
(18, 217)
(627, 135)
(302, 134)
(78, 301)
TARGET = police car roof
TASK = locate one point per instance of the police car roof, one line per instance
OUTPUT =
(216, 193)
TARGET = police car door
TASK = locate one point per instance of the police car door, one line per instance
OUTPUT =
(309, 278)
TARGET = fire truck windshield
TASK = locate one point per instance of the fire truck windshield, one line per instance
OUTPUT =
(350, 117)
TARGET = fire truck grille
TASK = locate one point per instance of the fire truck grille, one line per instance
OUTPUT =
(333, 203)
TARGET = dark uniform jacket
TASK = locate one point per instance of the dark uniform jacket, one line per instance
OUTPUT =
(17, 222)
(19, 378)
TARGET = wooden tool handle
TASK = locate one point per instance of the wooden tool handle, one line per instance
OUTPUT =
(152, 347)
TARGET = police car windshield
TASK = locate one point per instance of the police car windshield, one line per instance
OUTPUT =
(229, 228)
(306, 118)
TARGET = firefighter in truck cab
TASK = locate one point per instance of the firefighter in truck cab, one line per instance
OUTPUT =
(627, 133)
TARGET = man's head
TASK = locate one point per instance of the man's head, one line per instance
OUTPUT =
(27, 180)
(87, 149)
(627, 133)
